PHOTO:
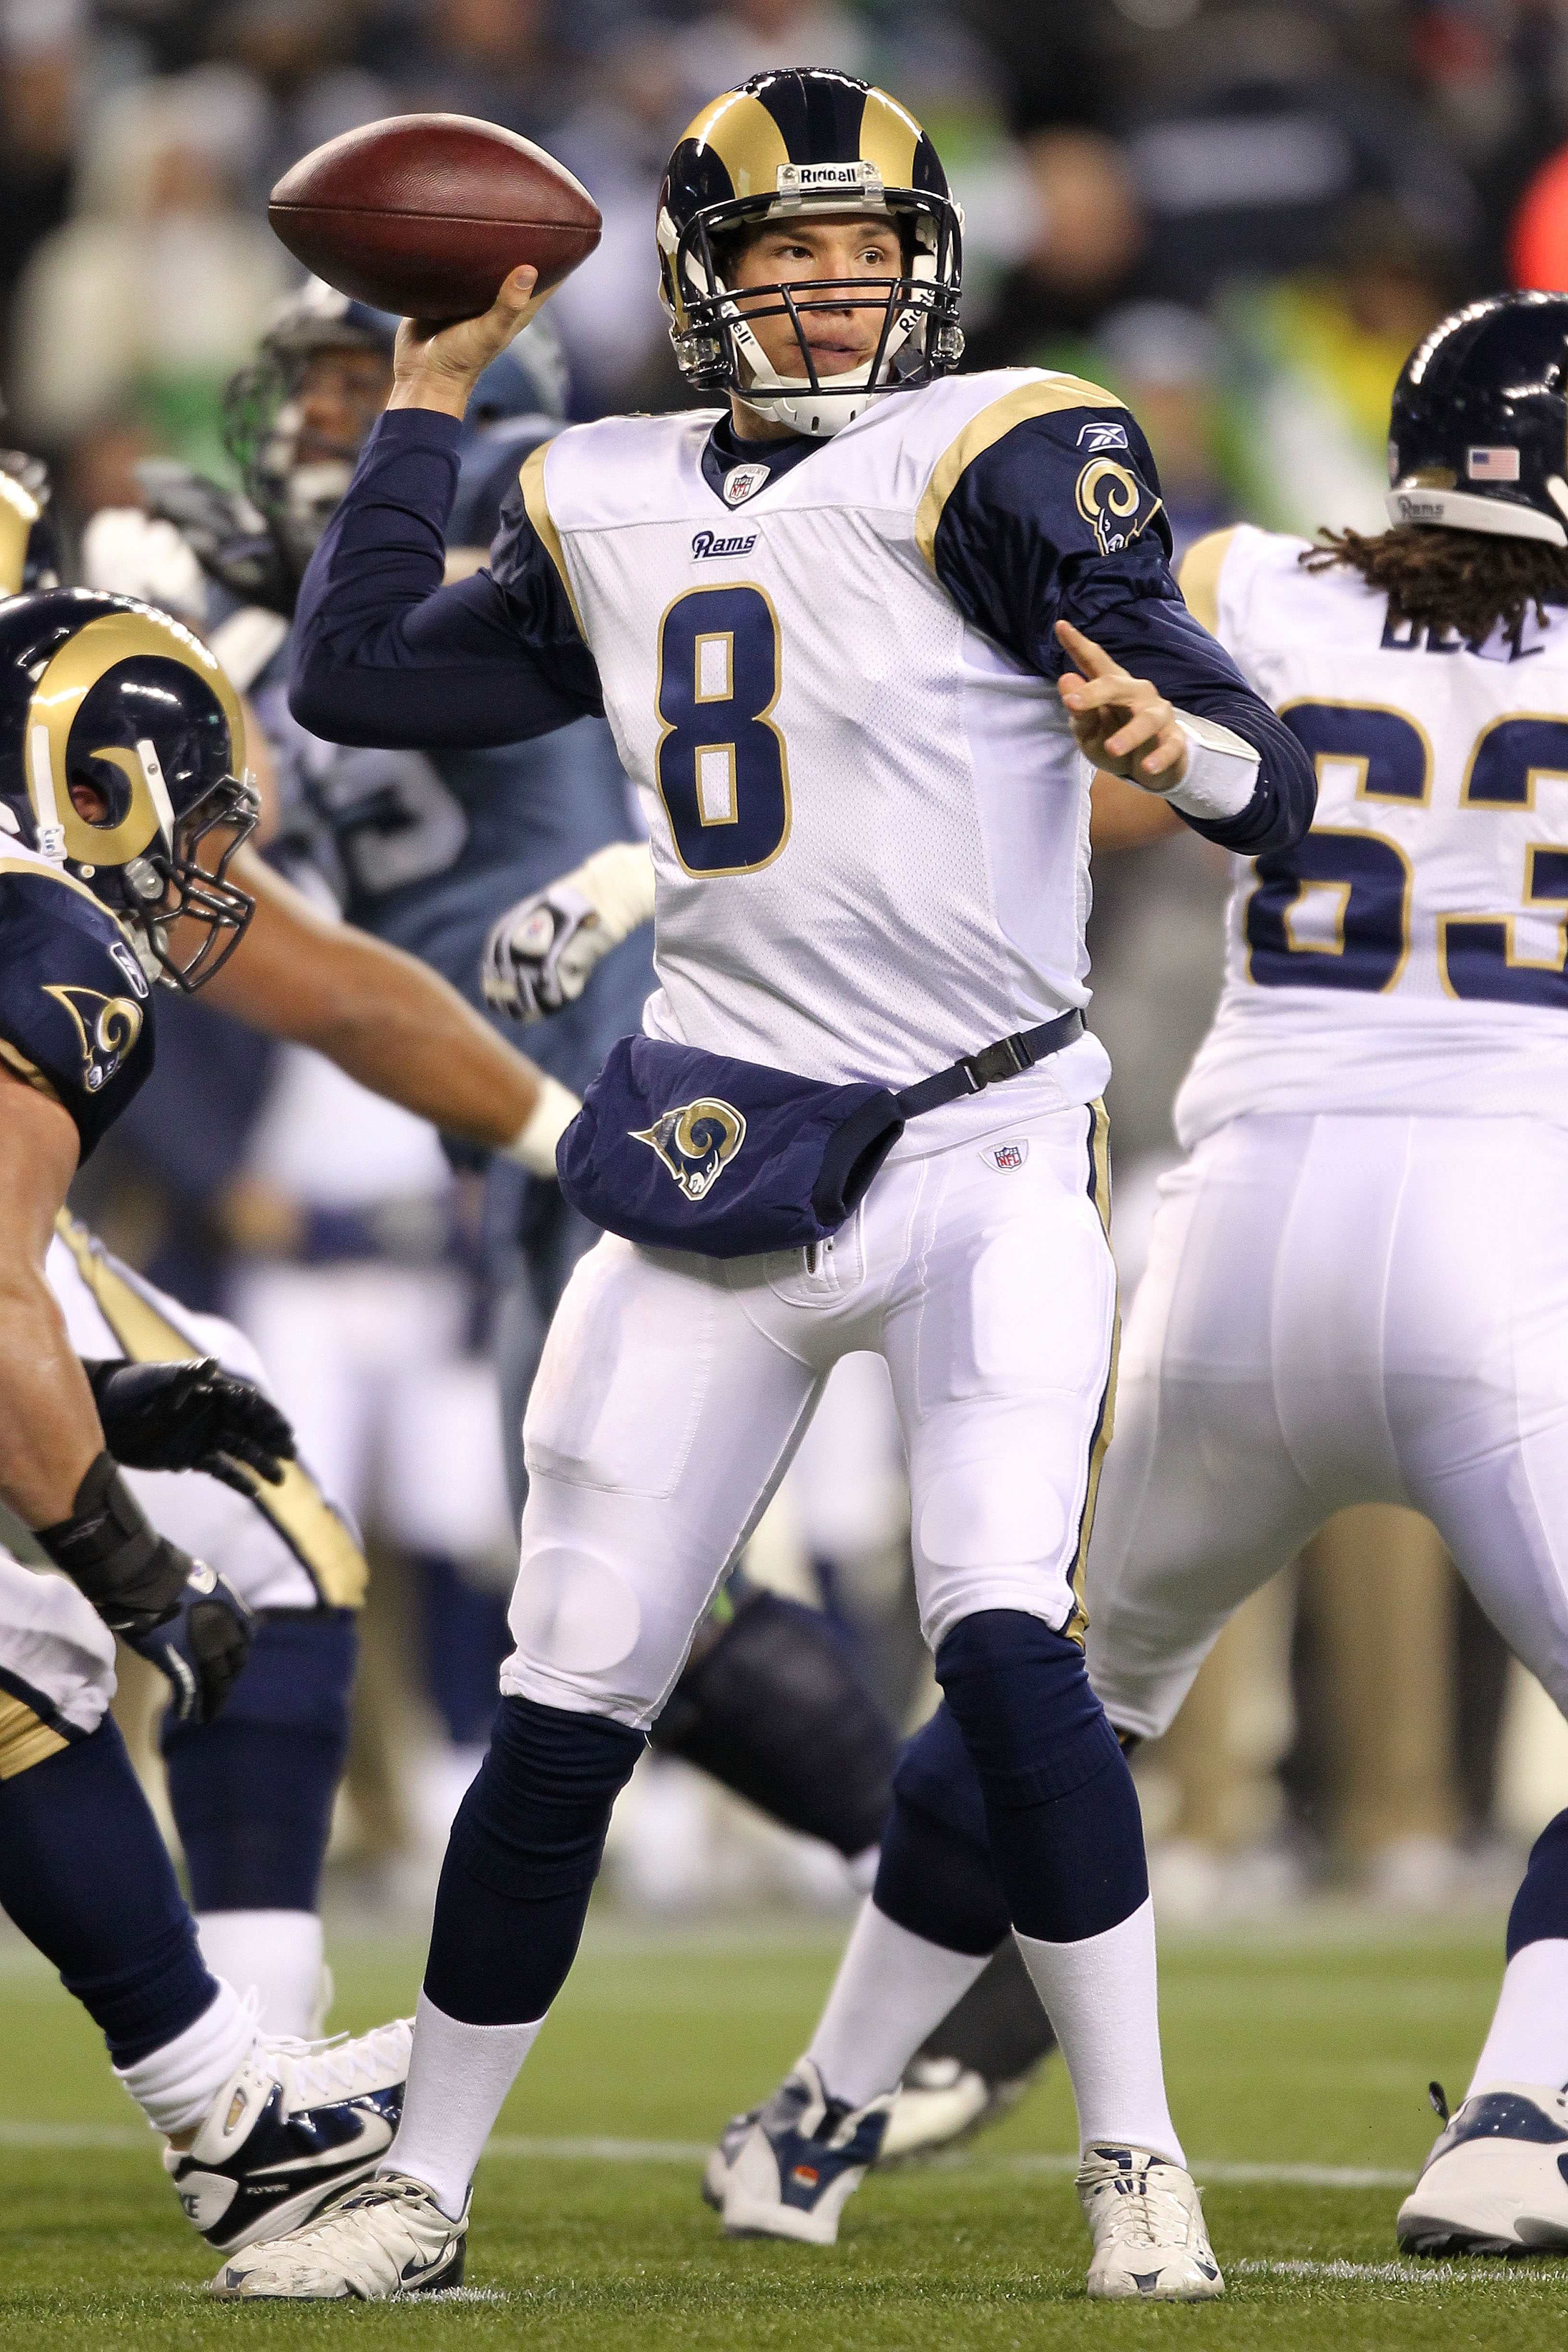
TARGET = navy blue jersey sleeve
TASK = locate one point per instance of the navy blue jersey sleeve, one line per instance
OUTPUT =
(385, 655)
(75, 1013)
(1059, 518)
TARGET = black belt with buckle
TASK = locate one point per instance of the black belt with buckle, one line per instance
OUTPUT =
(1009, 1057)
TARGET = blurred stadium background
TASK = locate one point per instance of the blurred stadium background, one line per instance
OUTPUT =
(1241, 216)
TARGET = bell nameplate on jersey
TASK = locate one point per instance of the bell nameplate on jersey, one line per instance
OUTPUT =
(695, 1142)
(743, 482)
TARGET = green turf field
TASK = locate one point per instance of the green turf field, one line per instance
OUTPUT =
(1310, 2050)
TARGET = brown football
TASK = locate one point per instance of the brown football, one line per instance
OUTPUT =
(424, 215)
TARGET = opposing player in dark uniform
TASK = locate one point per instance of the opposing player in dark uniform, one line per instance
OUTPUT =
(124, 808)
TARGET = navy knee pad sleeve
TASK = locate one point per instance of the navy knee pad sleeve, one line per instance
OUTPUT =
(252, 1793)
(533, 1824)
(1021, 1698)
(1540, 1908)
(524, 1851)
(1061, 1809)
(86, 1876)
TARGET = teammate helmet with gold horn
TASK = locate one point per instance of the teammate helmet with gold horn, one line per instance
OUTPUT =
(786, 144)
(123, 762)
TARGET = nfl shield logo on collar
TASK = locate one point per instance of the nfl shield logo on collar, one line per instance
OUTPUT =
(743, 482)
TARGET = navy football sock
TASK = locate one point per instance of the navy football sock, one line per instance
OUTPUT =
(252, 1793)
(86, 1877)
(1540, 1908)
(1064, 1828)
(524, 1851)
(936, 1875)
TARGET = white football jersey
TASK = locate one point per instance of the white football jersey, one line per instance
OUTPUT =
(1408, 954)
(869, 823)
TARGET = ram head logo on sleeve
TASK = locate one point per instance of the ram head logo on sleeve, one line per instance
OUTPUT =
(107, 1027)
(1114, 503)
(695, 1142)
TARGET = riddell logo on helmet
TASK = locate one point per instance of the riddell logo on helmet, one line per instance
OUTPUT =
(801, 179)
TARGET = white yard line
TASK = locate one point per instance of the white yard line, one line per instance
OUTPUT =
(19, 2134)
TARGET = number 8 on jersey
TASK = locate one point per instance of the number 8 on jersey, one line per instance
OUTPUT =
(724, 776)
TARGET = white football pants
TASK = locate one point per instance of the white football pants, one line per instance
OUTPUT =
(674, 1390)
(1338, 1309)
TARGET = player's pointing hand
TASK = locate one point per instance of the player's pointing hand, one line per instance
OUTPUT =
(436, 367)
(1122, 723)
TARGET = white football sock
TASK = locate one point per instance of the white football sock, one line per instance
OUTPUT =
(276, 1953)
(1102, 1997)
(1527, 2041)
(458, 2078)
(175, 2085)
(890, 1990)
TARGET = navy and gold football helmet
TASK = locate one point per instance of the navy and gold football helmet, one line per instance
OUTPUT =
(784, 145)
(1477, 439)
(122, 760)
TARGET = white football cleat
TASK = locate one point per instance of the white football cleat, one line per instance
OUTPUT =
(789, 2168)
(296, 2124)
(389, 2239)
(1496, 2181)
(1147, 2221)
(941, 2101)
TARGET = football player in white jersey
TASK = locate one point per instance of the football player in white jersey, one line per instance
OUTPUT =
(828, 623)
(1353, 1292)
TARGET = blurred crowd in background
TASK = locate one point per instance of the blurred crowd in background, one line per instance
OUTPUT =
(1240, 216)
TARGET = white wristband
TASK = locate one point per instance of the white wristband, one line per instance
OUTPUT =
(533, 1145)
(617, 883)
(1222, 771)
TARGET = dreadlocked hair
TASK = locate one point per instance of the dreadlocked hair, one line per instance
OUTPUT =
(1463, 580)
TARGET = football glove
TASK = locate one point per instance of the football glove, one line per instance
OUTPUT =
(200, 1644)
(538, 956)
(190, 1415)
(541, 953)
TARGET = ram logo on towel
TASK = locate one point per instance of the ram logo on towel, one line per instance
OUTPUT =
(695, 1142)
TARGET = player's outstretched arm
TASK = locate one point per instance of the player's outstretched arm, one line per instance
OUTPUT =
(56, 1473)
(386, 1019)
(50, 1431)
(385, 654)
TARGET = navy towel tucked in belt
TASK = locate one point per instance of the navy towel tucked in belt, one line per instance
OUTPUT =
(678, 1149)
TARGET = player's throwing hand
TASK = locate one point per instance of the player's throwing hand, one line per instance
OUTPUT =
(1122, 723)
(436, 367)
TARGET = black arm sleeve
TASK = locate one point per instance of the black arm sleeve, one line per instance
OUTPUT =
(1060, 520)
(385, 655)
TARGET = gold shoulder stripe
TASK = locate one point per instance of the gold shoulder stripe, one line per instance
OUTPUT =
(1042, 397)
(26, 1739)
(531, 481)
(28, 1072)
(42, 871)
(298, 1510)
(1198, 578)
